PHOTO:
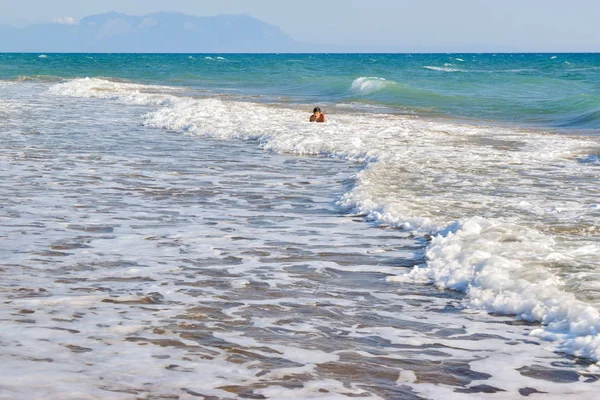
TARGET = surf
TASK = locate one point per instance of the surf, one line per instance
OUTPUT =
(495, 245)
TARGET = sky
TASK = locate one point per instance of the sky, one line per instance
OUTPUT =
(418, 25)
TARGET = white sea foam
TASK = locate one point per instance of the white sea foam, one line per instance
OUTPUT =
(9, 106)
(124, 92)
(481, 192)
(500, 267)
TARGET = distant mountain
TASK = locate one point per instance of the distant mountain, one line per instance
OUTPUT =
(154, 33)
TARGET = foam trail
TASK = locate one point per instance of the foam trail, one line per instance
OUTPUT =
(127, 93)
(443, 69)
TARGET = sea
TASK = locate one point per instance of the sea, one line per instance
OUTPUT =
(173, 227)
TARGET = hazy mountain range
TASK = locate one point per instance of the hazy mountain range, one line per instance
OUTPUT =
(169, 32)
(154, 33)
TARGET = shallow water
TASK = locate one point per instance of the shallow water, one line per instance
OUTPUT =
(144, 263)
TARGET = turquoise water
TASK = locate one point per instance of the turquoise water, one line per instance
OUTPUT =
(559, 91)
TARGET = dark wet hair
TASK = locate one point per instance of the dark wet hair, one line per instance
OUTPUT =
(317, 109)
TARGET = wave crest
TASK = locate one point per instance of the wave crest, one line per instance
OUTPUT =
(443, 69)
(367, 85)
(124, 92)
(37, 78)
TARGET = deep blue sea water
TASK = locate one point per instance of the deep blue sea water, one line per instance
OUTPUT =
(172, 226)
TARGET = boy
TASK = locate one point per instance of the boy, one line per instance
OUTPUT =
(317, 116)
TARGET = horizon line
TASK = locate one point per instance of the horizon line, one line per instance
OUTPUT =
(306, 53)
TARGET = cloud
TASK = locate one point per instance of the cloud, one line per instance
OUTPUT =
(65, 20)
